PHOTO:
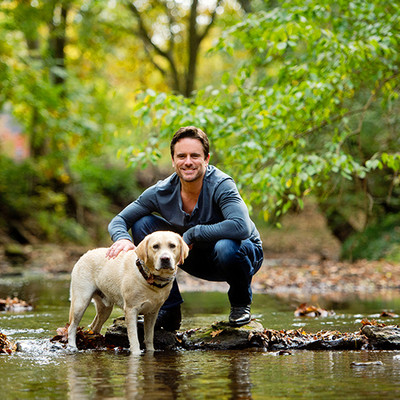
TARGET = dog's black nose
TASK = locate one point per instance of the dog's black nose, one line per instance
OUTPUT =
(165, 262)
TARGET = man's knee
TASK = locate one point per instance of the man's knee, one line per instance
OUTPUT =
(226, 252)
(146, 225)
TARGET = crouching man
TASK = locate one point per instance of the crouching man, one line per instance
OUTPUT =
(202, 204)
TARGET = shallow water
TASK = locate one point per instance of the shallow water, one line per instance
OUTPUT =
(44, 371)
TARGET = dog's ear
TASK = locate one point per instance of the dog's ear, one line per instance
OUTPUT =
(184, 250)
(141, 250)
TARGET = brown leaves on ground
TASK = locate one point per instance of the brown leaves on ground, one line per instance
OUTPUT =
(304, 310)
(85, 338)
(6, 345)
(273, 339)
(282, 276)
(14, 304)
(366, 321)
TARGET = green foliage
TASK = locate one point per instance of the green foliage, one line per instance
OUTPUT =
(102, 182)
(68, 112)
(378, 241)
(63, 211)
(30, 206)
(15, 186)
(292, 121)
(310, 107)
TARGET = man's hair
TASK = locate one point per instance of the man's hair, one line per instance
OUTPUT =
(193, 133)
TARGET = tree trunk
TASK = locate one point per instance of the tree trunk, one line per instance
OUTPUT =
(193, 50)
(57, 42)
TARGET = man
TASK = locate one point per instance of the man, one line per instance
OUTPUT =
(203, 204)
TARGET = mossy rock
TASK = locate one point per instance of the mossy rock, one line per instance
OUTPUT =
(222, 336)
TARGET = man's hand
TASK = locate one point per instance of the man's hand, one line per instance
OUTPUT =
(118, 246)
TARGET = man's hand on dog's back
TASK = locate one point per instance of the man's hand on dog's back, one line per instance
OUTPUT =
(118, 246)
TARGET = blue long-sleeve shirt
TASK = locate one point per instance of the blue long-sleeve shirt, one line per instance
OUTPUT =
(220, 212)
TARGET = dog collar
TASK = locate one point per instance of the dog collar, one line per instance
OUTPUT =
(150, 278)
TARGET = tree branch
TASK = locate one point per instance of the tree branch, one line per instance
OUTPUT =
(147, 40)
(363, 110)
(209, 25)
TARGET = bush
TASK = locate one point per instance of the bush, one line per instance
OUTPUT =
(378, 241)
(77, 209)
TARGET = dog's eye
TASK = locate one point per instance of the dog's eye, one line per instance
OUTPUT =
(156, 246)
(172, 245)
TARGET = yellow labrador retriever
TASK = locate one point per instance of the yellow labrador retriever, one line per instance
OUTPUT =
(137, 281)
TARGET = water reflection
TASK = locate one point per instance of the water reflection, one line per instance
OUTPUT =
(229, 375)
(89, 376)
(239, 376)
(159, 375)
(150, 376)
(40, 371)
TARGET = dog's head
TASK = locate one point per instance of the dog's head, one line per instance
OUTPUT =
(162, 251)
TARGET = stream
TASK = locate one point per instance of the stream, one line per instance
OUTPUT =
(43, 370)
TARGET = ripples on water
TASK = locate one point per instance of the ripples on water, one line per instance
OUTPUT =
(42, 370)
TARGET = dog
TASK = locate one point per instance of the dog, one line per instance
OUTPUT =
(138, 281)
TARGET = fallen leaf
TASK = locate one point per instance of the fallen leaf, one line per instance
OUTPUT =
(387, 314)
(304, 310)
(6, 345)
(14, 304)
(216, 333)
(365, 322)
(85, 339)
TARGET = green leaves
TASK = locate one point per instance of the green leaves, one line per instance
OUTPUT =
(309, 75)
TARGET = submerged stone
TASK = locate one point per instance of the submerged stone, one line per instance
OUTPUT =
(382, 337)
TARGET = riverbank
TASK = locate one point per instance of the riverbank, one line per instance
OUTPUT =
(278, 274)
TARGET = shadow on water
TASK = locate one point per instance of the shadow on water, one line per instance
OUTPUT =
(42, 370)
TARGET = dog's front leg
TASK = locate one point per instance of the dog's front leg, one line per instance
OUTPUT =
(131, 315)
(149, 323)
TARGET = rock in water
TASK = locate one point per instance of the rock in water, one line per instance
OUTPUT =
(222, 336)
(382, 337)
(117, 335)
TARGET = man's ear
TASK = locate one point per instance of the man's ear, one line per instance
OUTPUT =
(184, 251)
(141, 250)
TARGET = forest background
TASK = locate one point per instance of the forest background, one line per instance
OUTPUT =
(300, 100)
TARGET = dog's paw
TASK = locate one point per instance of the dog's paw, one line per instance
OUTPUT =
(136, 351)
(71, 349)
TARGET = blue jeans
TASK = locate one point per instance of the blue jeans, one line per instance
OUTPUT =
(226, 260)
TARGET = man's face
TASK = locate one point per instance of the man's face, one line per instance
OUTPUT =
(189, 161)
